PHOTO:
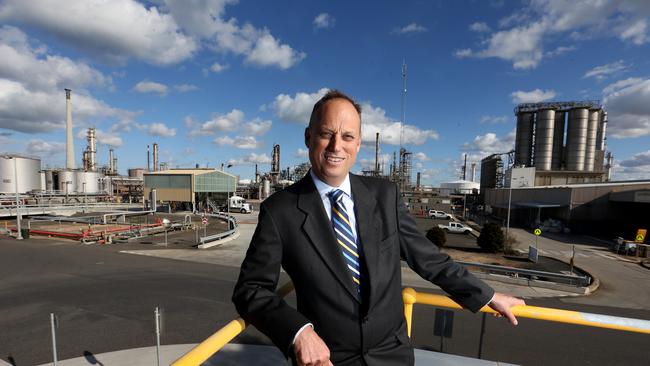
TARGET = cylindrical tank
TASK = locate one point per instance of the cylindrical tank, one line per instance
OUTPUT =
(592, 132)
(67, 181)
(136, 173)
(524, 139)
(49, 180)
(558, 140)
(544, 139)
(602, 132)
(576, 141)
(28, 173)
(267, 188)
(42, 176)
(87, 182)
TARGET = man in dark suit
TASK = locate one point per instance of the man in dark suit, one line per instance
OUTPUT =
(340, 238)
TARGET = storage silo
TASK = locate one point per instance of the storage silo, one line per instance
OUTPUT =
(27, 169)
(558, 140)
(49, 180)
(576, 143)
(544, 139)
(67, 181)
(136, 173)
(524, 139)
(590, 147)
(87, 182)
(602, 130)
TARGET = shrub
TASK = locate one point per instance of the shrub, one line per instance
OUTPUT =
(491, 239)
(437, 236)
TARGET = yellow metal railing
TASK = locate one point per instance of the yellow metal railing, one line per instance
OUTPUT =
(410, 297)
(215, 342)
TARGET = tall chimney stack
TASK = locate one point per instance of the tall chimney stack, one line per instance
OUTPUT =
(69, 142)
(473, 172)
(92, 150)
(155, 157)
(148, 160)
(377, 154)
(111, 168)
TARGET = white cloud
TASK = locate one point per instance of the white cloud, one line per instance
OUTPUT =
(635, 167)
(494, 119)
(146, 86)
(297, 108)
(542, 21)
(301, 153)
(561, 50)
(219, 123)
(239, 142)
(479, 27)
(600, 72)
(184, 88)
(44, 148)
(626, 102)
(410, 28)
(421, 156)
(114, 30)
(324, 21)
(533, 96)
(217, 67)
(160, 129)
(257, 127)
(252, 158)
(268, 51)
(490, 143)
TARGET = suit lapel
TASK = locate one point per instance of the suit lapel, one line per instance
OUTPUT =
(368, 227)
(318, 229)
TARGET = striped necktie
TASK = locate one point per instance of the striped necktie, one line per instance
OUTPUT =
(344, 235)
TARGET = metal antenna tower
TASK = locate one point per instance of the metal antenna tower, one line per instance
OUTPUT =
(401, 132)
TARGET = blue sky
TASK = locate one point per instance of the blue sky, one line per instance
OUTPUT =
(222, 81)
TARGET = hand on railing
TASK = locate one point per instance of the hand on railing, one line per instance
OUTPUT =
(310, 349)
(502, 304)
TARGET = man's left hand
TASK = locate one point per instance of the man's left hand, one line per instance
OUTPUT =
(502, 303)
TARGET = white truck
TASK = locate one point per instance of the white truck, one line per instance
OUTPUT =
(435, 214)
(238, 204)
(455, 227)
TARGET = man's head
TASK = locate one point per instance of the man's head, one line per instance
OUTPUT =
(333, 137)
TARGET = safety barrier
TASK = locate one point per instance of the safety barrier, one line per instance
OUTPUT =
(410, 297)
(215, 342)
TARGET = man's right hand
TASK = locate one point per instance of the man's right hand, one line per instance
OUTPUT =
(310, 349)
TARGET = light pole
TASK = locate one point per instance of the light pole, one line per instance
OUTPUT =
(19, 235)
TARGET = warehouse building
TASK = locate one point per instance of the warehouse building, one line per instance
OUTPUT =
(613, 208)
(188, 189)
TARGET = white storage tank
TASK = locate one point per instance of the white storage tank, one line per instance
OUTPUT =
(459, 187)
(136, 173)
(87, 182)
(29, 178)
(67, 181)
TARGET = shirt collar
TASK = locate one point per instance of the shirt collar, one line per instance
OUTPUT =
(324, 188)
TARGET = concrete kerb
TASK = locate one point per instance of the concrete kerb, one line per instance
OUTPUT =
(215, 243)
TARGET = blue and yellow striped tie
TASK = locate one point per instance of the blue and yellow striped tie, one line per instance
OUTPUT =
(344, 235)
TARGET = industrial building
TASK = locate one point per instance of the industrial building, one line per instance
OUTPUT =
(613, 208)
(188, 189)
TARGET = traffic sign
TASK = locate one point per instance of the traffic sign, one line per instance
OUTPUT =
(538, 232)
(640, 235)
(204, 221)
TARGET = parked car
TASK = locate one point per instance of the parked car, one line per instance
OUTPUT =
(456, 227)
(435, 214)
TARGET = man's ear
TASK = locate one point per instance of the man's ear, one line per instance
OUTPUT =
(307, 137)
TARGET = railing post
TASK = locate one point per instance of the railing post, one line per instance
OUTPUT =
(157, 318)
(53, 326)
(409, 296)
(480, 340)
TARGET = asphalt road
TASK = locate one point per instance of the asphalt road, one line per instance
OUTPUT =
(105, 301)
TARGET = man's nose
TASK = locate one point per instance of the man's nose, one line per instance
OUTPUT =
(334, 143)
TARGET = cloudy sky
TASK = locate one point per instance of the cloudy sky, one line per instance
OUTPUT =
(221, 81)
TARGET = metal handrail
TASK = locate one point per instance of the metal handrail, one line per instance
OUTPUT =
(574, 279)
(215, 342)
(410, 297)
(232, 222)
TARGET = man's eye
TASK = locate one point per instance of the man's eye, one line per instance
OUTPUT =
(348, 137)
(326, 135)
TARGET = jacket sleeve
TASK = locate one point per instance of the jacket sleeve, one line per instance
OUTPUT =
(430, 263)
(254, 294)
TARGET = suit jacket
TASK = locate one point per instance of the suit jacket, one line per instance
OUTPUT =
(294, 232)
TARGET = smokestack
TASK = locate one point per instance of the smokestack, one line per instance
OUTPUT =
(417, 184)
(148, 160)
(155, 157)
(115, 165)
(92, 150)
(473, 172)
(377, 154)
(69, 142)
(111, 168)
(465, 168)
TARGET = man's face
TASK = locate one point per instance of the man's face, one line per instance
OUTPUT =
(334, 141)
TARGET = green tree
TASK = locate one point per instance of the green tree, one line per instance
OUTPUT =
(437, 236)
(491, 239)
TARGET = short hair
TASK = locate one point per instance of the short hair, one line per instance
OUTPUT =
(331, 94)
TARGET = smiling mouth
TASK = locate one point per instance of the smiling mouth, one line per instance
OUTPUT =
(333, 159)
